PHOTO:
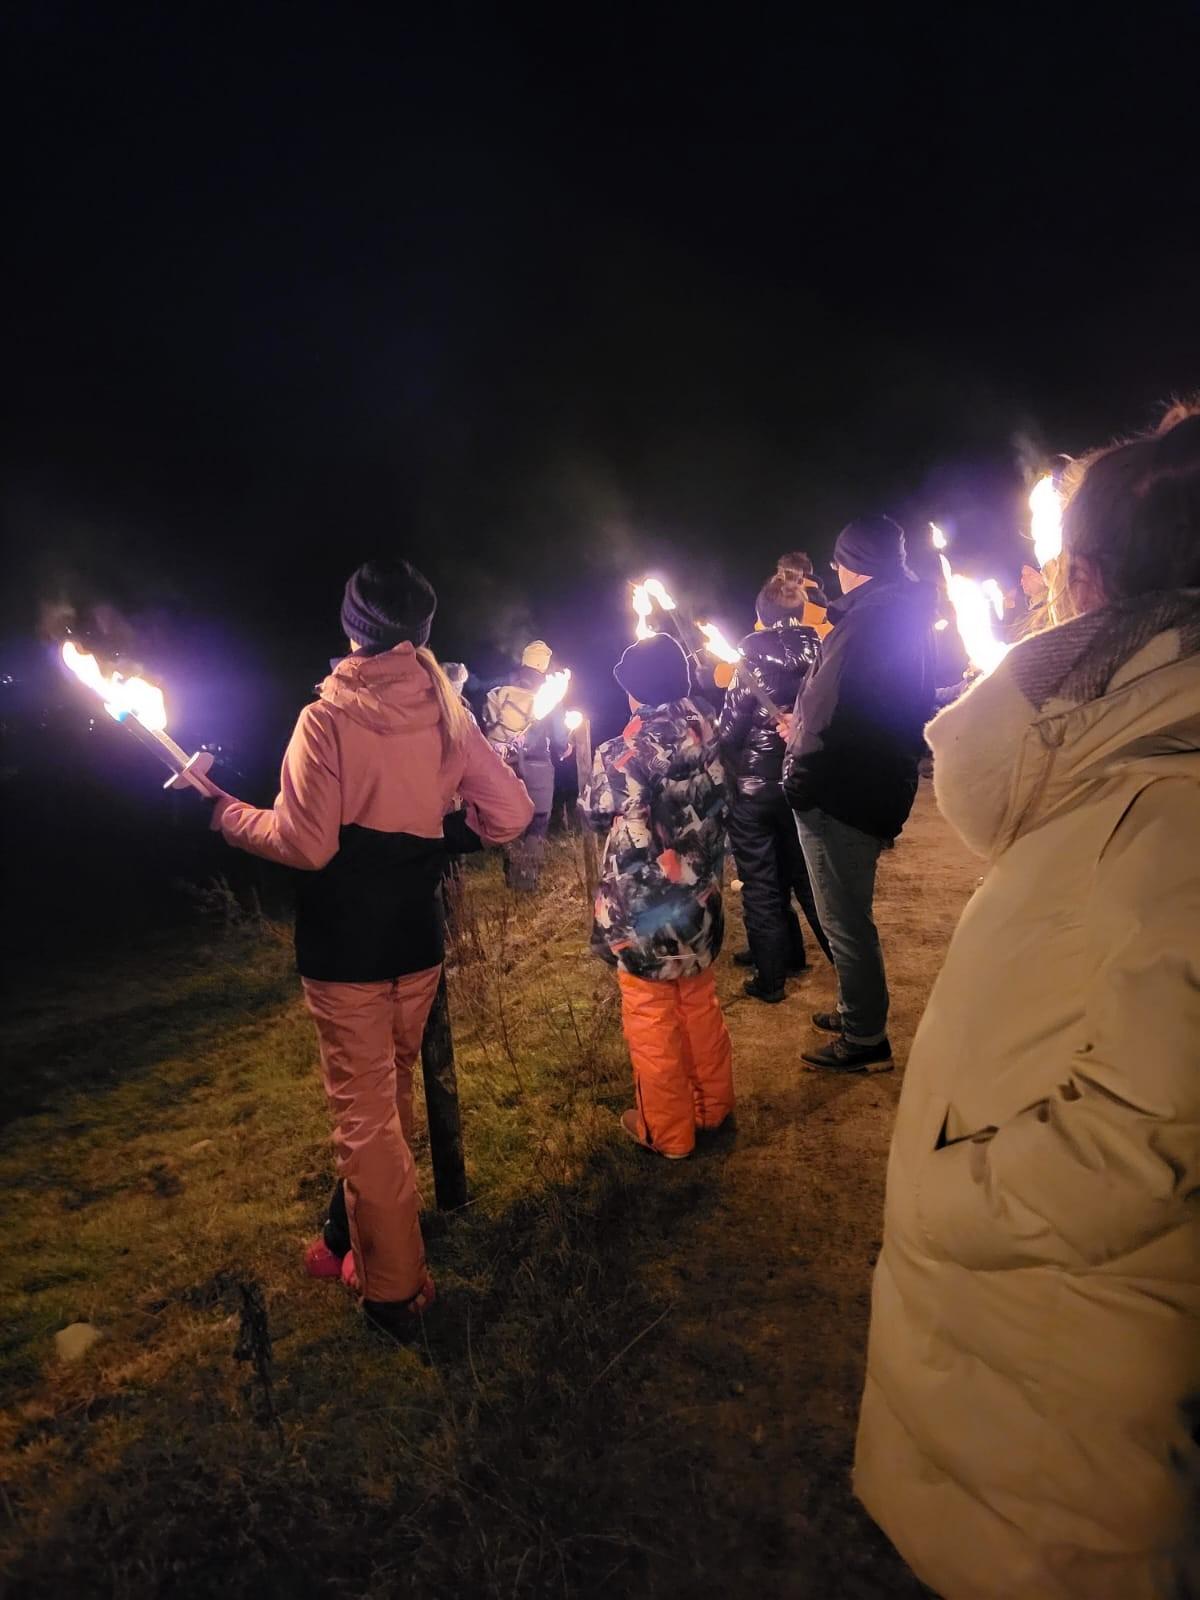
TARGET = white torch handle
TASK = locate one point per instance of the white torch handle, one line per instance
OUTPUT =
(194, 774)
(187, 772)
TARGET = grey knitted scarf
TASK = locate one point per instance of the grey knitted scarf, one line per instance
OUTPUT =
(1078, 660)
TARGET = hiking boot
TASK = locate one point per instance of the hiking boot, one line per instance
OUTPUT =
(757, 990)
(842, 1056)
(745, 958)
(400, 1319)
(827, 1021)
(320, 1261)
(629, 1125)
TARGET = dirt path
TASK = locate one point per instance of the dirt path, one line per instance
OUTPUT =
(774, 1282)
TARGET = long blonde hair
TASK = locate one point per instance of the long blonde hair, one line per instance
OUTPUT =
(453, 715)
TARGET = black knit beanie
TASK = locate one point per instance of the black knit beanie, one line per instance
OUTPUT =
(654, 671)
(874, 547)
(385, 604)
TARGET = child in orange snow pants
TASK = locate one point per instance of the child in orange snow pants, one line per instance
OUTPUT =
(682, 1058)
(658, 793)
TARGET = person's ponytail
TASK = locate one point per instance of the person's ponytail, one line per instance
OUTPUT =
(456, 724)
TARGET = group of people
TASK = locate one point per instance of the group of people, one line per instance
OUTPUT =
(1029, 1424)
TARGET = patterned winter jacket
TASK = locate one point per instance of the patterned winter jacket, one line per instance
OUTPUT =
(659, 793)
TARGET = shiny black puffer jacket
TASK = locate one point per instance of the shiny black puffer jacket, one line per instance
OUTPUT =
(780, 660)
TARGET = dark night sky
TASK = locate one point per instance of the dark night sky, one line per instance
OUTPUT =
(545, 299)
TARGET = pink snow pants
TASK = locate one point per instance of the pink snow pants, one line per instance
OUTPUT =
(370, 1037)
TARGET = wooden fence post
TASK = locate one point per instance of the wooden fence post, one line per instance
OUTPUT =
(441, 1105)
(583, 768)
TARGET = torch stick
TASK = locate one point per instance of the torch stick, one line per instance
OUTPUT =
(652, 591)
(761, 695)
(139, 706)
(441, 1105)
(718, 646)
(580, 729)
(188, 771)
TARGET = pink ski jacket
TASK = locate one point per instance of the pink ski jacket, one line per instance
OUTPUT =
(365, 786)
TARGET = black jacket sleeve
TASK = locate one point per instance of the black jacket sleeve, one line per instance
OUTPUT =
(737, 714)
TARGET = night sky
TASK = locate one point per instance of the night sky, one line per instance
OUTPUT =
(545, 300)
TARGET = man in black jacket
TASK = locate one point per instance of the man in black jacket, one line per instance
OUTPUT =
(852, 771)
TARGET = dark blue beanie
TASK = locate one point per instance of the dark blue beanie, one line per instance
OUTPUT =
(874, 547)
(387, 603)
(654, 671)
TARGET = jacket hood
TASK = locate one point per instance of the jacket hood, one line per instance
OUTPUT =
(388, 693)
(789, 647)
(1079, 705)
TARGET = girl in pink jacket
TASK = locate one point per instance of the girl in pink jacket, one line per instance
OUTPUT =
(372, 769)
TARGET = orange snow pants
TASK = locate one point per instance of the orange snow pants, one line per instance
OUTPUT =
(682, 1058)
(370, 1037)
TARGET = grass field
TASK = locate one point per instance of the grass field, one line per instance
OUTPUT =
(641, 1376)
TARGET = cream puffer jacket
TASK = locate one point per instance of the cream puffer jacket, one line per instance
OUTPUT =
(1028, 1428)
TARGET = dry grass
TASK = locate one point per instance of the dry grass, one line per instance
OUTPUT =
(574, 1421)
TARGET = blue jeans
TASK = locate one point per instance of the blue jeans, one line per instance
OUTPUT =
(841, 866)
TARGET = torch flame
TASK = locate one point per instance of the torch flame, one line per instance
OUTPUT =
(973, 616)
(550, 694)
(993, 592)
(642, 607)
(718, 645)
(573, 720)
(122, 696)
(973, 606)
(654, 589)
(1045, 520)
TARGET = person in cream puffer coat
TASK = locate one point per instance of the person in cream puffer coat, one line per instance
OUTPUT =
(1028, 1428)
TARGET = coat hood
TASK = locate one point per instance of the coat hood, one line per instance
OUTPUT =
(786, 647)
(1067, 709)
(388, 693)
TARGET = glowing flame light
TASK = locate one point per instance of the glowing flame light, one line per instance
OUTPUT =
(550, 694)
(1045, 520)
(642, 607)
(123, 697)
(656, 592)
(973, 616)
(941, 624)
(992, 591)
(973, 605)
(718, 645)
(573, 720)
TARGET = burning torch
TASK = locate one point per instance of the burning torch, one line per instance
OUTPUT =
(973, 606)
(550, 695)
(580, 729)
(1045, 521)
(139, 706)
(647, 594)
(719, 646)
